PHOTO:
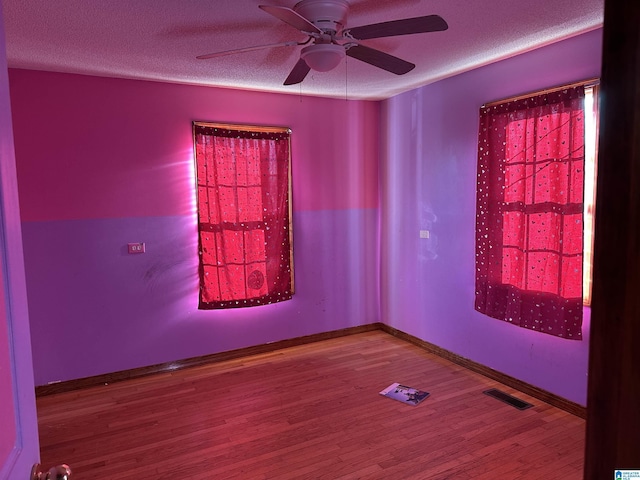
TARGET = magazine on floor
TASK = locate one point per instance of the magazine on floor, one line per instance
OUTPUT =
(404, 394)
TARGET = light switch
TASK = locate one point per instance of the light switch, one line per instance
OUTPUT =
(424, 233)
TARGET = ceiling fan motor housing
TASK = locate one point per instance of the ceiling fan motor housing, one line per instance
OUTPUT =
(325, 14)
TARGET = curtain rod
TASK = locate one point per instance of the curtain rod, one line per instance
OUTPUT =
(587, 83)
(244, 128)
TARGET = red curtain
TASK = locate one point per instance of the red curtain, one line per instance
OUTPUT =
(529, 212)
(244, 218)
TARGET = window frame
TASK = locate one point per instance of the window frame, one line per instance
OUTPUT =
(244, 128)
(591, 182)
(592, 86)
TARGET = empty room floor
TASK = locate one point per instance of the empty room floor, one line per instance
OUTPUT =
(309, 412)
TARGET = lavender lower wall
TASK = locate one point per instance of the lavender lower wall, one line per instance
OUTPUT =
(429, 183)
(97, 309)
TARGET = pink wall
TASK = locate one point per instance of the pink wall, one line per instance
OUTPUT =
(116, 144)
(429, 183)
(103, 162)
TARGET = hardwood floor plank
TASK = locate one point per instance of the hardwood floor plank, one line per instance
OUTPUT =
(309, 411)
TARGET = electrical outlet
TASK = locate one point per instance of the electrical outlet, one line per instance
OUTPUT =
(424, 233)
(135, 247)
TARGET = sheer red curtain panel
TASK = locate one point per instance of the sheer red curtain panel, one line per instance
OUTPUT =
(529, 212)
(244, 215)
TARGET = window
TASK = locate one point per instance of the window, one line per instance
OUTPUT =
(244, 215)
(529, 222)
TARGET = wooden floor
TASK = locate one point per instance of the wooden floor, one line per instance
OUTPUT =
(309, 412)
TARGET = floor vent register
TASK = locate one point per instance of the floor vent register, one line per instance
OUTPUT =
(506, 398)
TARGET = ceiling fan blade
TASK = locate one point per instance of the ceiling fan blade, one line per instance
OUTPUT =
(380, 59)
(407, 26)
(291, 17)
(298, 74)
(247, 49)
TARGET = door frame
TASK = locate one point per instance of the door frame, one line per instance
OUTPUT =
(25, 450)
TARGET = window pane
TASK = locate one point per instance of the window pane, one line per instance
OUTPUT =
(543, 270)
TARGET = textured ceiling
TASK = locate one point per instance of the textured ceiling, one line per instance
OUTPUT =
(159, 40)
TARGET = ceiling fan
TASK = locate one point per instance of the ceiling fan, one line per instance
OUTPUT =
(328, 42)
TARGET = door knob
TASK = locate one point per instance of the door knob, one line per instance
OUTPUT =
(60, 472)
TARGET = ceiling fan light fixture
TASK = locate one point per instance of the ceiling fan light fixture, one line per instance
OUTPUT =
(323, 57)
